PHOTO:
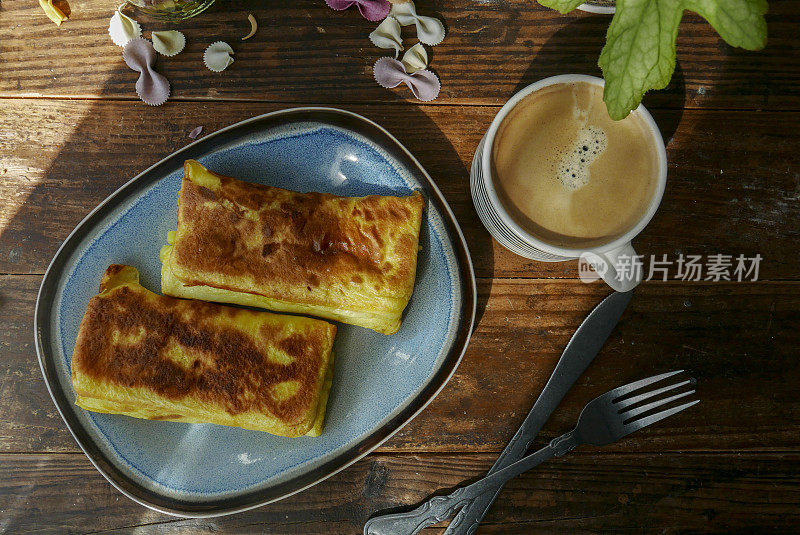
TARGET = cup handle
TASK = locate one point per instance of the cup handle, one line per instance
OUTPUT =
(621, 267)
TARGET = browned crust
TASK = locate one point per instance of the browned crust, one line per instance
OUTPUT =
(294, 243)
(230, 370)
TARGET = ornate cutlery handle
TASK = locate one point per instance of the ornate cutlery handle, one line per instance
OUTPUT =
(473, 512)
(432, 511)
(579, 353)
(489, 486)
(441, 508)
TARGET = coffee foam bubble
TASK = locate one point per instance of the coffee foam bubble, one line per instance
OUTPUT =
(572, 169)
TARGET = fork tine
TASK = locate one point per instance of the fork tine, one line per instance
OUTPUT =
(625, 389)
(647, 395)
(650, 406)
(644, 422)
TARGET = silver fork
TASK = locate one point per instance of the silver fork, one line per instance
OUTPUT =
(604, 420)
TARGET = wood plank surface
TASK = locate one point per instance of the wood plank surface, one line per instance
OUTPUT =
(72, 132)
(725, 191)
(739, 340)
(584, 492)
(305, 52)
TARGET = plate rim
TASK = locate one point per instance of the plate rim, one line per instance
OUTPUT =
(257, 498)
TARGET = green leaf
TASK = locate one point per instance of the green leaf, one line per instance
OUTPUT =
(562, 6)
(639, 53)
(739, 22)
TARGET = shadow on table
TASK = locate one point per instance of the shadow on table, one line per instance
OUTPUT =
(107, 149)
(116, 140)
(565, 52)
(732, 189)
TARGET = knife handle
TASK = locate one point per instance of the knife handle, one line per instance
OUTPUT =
(440, 508)
(579, 353)
(432, 511)
(469, 517)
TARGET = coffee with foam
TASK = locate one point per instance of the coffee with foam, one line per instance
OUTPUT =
(568, 173)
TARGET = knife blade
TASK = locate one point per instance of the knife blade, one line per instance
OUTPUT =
(582, 348)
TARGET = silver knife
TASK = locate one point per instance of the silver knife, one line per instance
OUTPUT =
(584, 345)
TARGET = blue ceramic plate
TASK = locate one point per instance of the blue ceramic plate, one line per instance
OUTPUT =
(380, 382)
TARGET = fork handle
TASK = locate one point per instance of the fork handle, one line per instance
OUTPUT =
(558, 446)
(440, 508)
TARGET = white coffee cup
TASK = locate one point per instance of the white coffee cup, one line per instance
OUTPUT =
(616, 261)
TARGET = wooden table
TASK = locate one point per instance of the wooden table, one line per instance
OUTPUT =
(72, 131)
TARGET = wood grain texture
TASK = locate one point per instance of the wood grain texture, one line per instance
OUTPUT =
(305, 52)
(72, 132)
(584, 492)
(725, 192)
(738, 340)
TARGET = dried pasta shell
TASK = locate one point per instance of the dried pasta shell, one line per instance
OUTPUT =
(122, 28)
(217, 56)
(387, 35)
(169, 42)
(415, 59)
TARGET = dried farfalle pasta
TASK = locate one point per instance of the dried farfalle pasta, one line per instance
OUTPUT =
(429, 30)
(122, 28)
(390, 72)
(387, 35)
(217, 56)
(152, 87)
(415, 59)
(169, 42)
(373, 10)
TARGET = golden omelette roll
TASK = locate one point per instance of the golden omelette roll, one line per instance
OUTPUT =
(161, 358)
(351, 259)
